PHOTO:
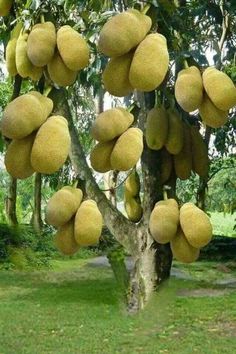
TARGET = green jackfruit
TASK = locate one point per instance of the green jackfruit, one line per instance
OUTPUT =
(11, 50)
(123, 32)
(196, 225)
(132, 184)
(182, 250)
(5, 7)
(59, 73)
(183, 160)
(133, 207)
(199, 153)
(100, 156)
(65, 240)
(189, 89)
(166, 165)
(51, 146)
(127, 150)
(41, 43)
(116, 75)
(46, 103)
(150, 63)
(73, 48)
(88, 224)
(175, 136)
(156, 128)
(211, 115)
(63, 205)
(17, 158)
(111, 124)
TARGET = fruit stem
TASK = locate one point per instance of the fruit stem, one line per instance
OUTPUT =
(47, 91)
(186, 64)
(42, 19)
(145, 9)
(165, 195)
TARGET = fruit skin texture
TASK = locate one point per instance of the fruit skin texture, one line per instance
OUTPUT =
(65, 240)
(150, 63)
(175, 136)
(123, 32)
(156, 128)
(63, 205)
(17, 158)
(11, 50)
(133, 207)
(164, 221)
(183, 160)
(196, 225)
(189, 89)
(211, 115)
(51, 146)
(59, 73)
(88, 224)
(132, 184)
(100, 156)
(166, 165)
(5, 7)
(199, 153)
(73, 48)
(111, 124)
(116, 75)
(219, 88)
(127, 150)
(46, 103)
(22, 116)
(41, 43)
(182, 250)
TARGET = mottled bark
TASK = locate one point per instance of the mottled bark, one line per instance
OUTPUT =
(11, 201)
(36, 219)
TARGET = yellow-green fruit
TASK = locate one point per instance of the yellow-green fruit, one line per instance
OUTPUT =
(127, 150)
(65, 240)
(17, 158)
(22, 116)
(123, 32)
(219, 88)
(11, 50)
(59, 73)
(51, 146)
(5, 7)
(175, 136)
(133, 208)
(156, 128)
(111, 124)
(63, 205)
(100, 156)
(73, 48)
(196, 225)
(211, 115)
(183, 160)
(116, 75)
(199, 153)
(46, 103)
(166, 165)
(41, 43)
(150, 63)
(132, 184)
(164, 221)
(88, 224)
(182, 250)
(189, 89)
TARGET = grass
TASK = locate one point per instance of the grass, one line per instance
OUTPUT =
(76, 308)
(223, 225)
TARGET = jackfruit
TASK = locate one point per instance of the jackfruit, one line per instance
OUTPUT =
(88, 224)
(59, 73)
(123, 32)
(63, 205)
(156, 128)
(127, 150)
(41, 43)
(132, 184)
(133, 207)
(189, 89)
(51, 146)
(115, 77)
(150, 63)
(175, 136)
(183, 160)
(196, 225)
(17, 158)
(164, 221)
(73, 48)
(166, 165)
(65, 240)
(211, 115)
(46, 103)
(182, 250)
(22, 116)
(100, 156)
(11, 50)
(219, 88)
(111, 124)
(5, 7)
(199, 153)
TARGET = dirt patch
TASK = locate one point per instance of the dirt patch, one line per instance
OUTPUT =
(203, 292)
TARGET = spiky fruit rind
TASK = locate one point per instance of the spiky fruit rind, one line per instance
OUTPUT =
(156, 128)
(182, 250)
(65, 240)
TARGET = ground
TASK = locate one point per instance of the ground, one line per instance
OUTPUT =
(75, 307)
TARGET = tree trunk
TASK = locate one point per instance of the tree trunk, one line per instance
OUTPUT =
(36, 219)
(11, 202)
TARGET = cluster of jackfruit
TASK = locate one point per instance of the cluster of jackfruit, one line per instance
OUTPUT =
(5, 7)
(119, 147)
(138, 60)
(187, 229)
(78, 223)
(39, 144)
(132, 200)
(64, 53)
(213, 93)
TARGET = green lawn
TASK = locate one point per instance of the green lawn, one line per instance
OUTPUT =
(76, 308)
(223, 225)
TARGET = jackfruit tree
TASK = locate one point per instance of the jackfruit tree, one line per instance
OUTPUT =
(170, 99)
